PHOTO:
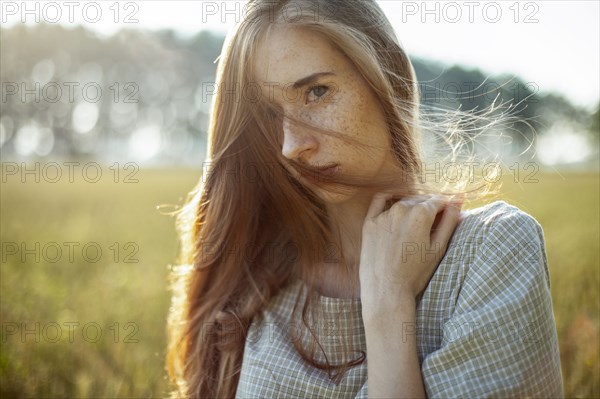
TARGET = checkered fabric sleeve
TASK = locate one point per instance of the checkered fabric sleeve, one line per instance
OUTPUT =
(500, 337)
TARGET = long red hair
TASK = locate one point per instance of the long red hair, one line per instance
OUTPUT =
(248, 213)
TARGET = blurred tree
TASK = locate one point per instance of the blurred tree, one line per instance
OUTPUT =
(595, 125)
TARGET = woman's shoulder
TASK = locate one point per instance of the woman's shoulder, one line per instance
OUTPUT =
(496, 254)
(492, 237)
(496, 239)
(497, 219)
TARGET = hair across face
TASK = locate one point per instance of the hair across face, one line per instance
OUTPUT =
(361, 107)
(317, 90)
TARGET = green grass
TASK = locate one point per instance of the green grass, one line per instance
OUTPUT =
(111, 290)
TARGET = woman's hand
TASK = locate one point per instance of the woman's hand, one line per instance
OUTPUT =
(402, 247)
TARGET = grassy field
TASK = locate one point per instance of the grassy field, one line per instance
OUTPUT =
(101, 261)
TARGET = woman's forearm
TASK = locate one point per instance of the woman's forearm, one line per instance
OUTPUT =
(393, 363)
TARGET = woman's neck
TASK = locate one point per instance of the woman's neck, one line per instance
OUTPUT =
(339, 278)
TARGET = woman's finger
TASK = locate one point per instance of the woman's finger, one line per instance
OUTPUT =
(435, 204)
(377, 204)
(447, 224)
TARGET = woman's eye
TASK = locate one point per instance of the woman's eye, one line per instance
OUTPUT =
(316, 93)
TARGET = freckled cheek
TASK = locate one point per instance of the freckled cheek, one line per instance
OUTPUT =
(358, 115)
(351, 125)
(338, 118)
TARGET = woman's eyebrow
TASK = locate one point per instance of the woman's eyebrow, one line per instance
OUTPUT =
(310, 78)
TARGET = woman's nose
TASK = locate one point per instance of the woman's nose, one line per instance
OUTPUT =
(296, 140)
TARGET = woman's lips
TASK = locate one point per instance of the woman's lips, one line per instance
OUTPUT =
(326, 171)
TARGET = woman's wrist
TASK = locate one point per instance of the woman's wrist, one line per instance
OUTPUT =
(394, 369)
(390, 310)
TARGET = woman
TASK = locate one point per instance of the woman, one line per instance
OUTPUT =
(314, 247)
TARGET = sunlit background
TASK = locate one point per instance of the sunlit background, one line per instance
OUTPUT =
(126, 87)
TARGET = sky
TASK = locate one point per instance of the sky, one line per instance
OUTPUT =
(553, 44)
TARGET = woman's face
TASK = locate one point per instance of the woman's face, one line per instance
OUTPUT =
(313, 82)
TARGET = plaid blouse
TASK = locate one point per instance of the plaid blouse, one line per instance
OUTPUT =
(484, 325)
